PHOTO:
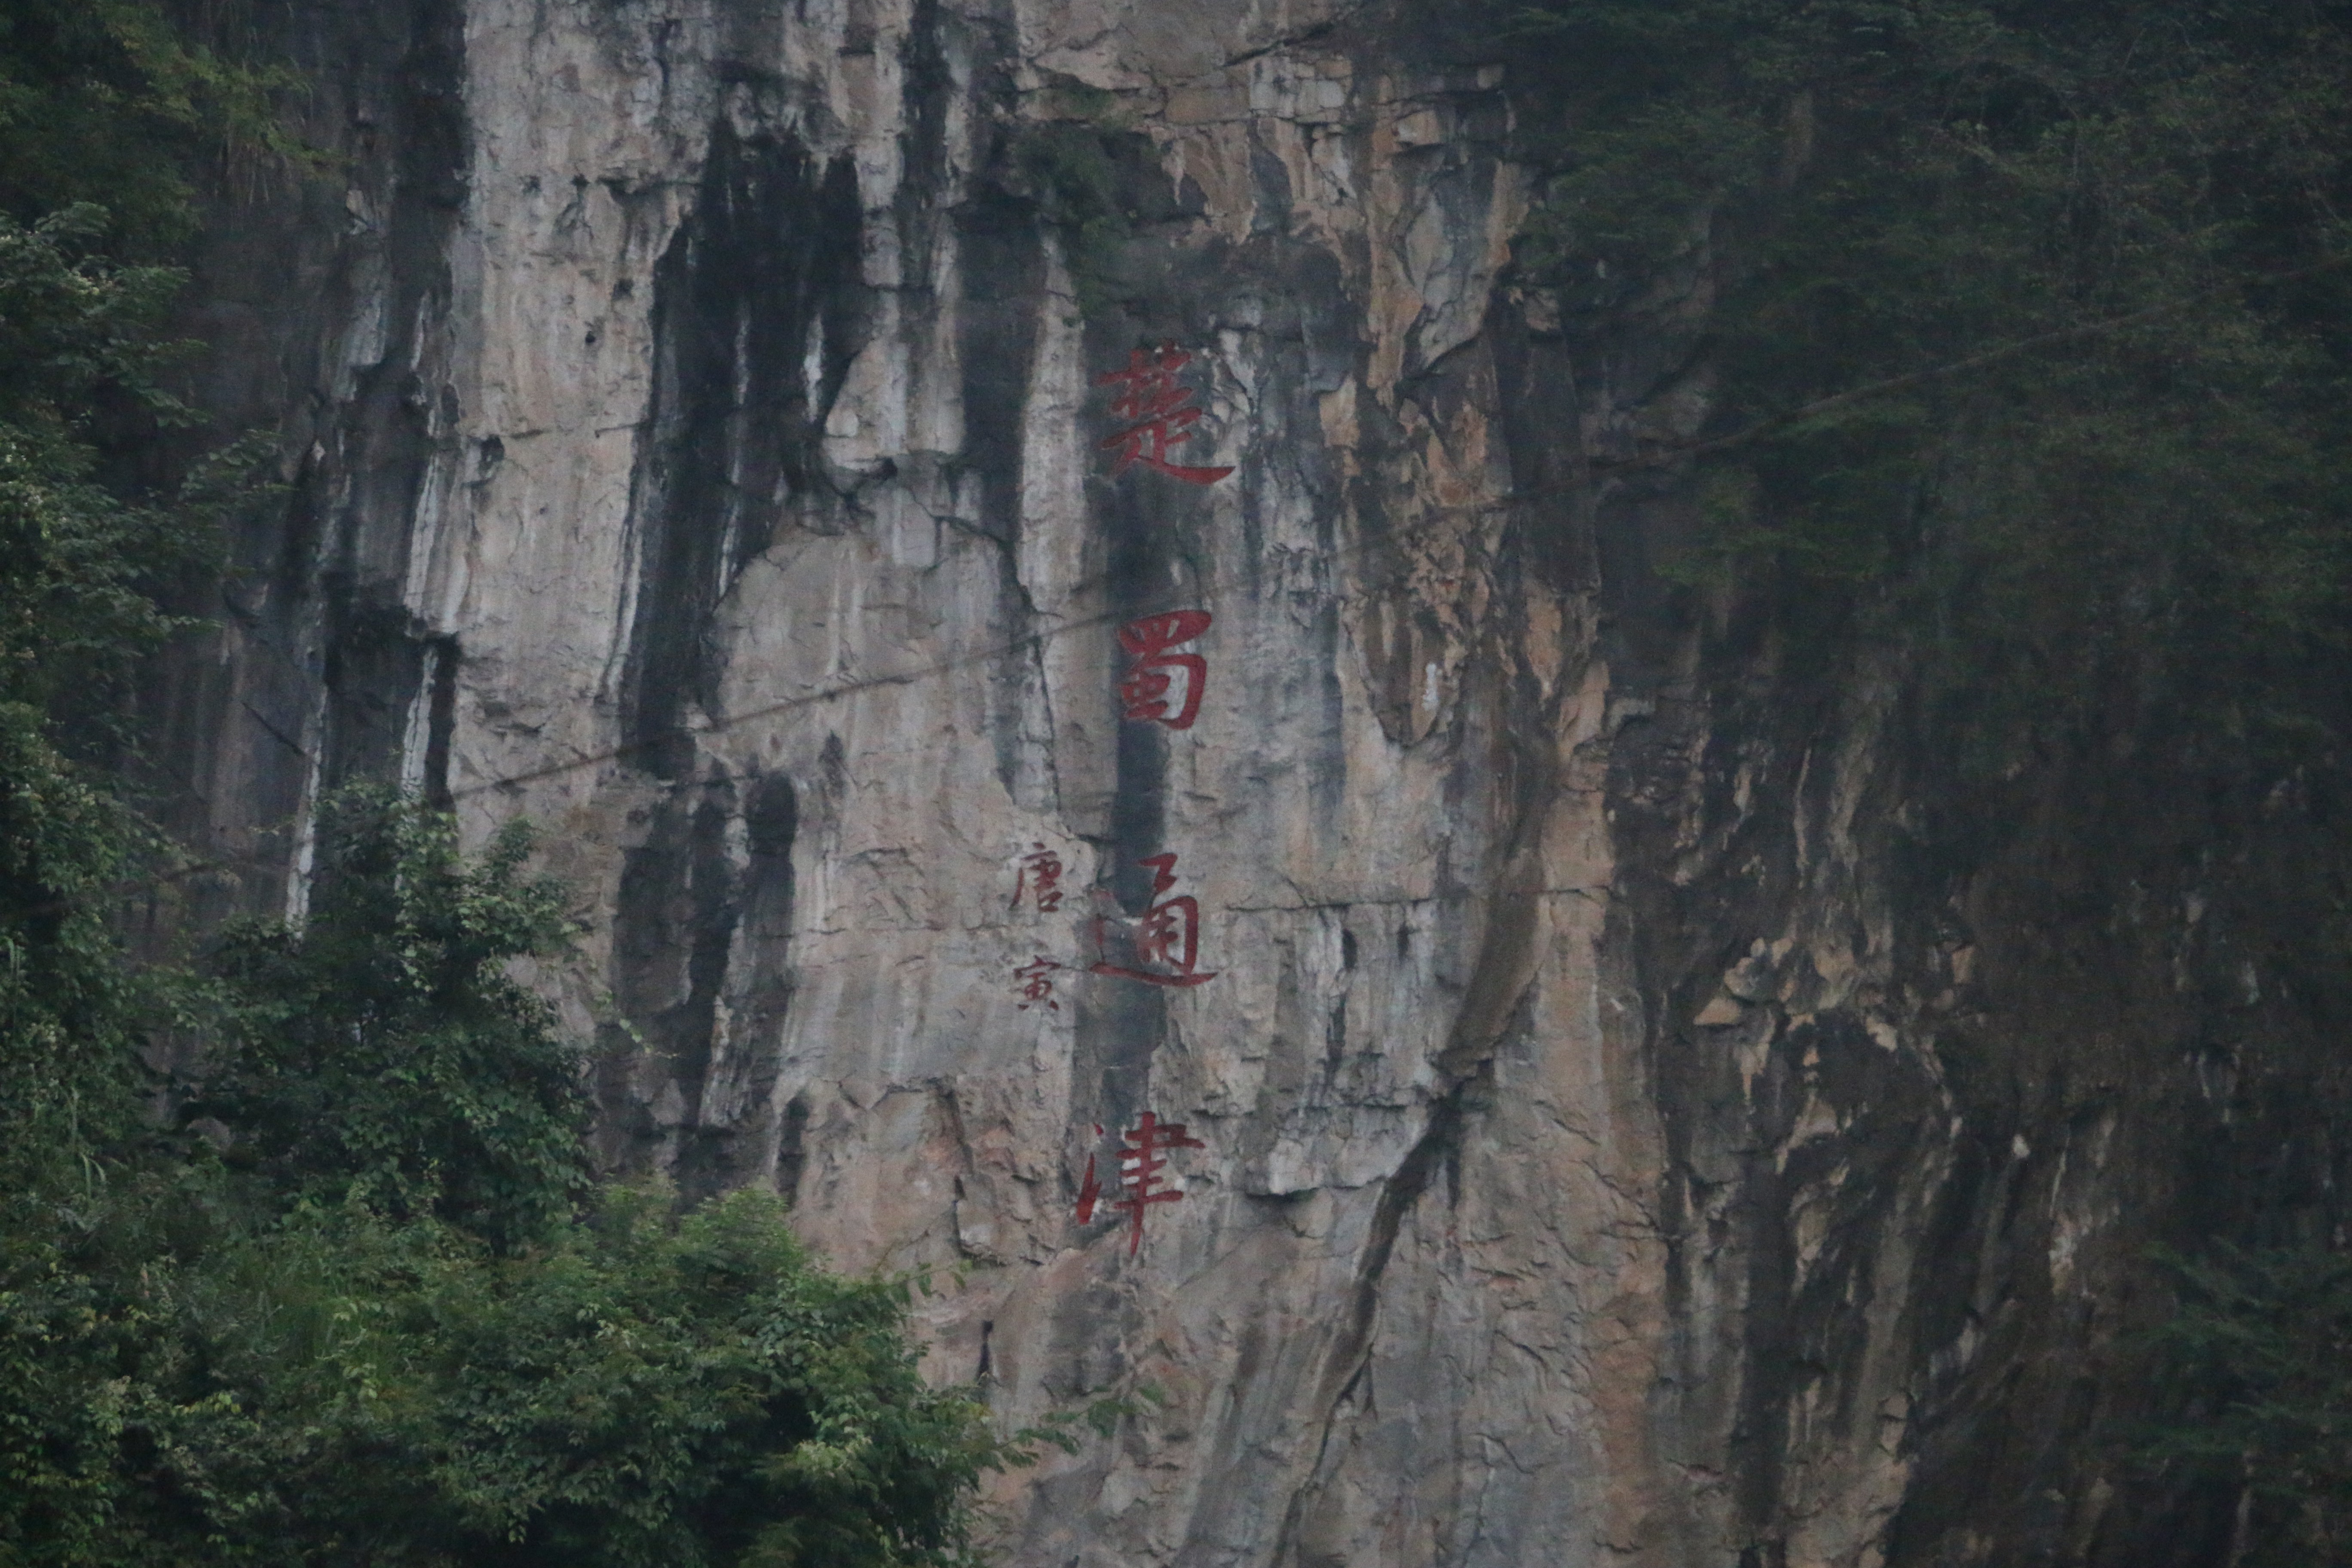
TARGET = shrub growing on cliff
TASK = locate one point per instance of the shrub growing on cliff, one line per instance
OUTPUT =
(379, 1053)
(638, 1392)
(107, 101)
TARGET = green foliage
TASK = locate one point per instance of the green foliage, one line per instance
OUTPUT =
(376, 1324)
(641, 1391)
(79, 561)
(79, 327)
(86, 94)
(381, 1054)
(104, 101)
(650, 1393)
(2258, 1364)
(1065, 164)
(77, 564)
(1873, 202)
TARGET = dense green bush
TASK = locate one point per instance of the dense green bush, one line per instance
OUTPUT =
(381, 1054)
(107, 101)
(637, 1390)
(375, 1324)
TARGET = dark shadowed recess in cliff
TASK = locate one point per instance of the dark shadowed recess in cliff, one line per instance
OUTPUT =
(757, 313)
(687, 902)
(1004, 261)
(734, 1137)
(756, 317)
(695, 924)
(673, 920)
(392, 693)
(1005, 280)
(2131, 999)
(2157, 1061)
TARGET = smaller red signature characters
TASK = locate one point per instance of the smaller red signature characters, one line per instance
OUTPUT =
(1140, 1167)
(1156, 404)
(1144, 689)
(1040, 874)
(1164, 944)
(1036, 983)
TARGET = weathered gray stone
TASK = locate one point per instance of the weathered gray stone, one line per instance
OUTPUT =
(694, 417)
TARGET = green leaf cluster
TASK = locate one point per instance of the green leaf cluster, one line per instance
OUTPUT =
(639, 1390)
(99, 103)
(2258, 1377)
(366, 1304)
(2023, 325)
(106, 103)
(380, 1053)
(1063, 160)
(79, 565)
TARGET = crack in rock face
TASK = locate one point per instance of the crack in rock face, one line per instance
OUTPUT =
(720, 455)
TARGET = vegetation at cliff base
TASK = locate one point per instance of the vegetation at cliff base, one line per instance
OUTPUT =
(343, 1291)
(360, 1305)
(381, 1058)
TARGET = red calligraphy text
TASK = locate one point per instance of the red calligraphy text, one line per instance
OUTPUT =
(1164, 944)
(1144, 689)
(1139, 1170)
(1089, 1190)
(1036, 983)
(1040, 874)
(1156, 406)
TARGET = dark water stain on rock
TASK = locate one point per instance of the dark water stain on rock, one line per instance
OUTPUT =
(757, 314)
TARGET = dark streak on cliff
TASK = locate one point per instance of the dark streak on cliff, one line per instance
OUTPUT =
(758, 289)
(316, 667)
(757, 311)
(1547, 541)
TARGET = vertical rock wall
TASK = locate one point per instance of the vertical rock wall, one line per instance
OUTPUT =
(699, 448)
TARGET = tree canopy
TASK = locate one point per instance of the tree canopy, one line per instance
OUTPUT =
(2025, 324)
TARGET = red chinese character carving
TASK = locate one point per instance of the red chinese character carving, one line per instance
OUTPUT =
(1036, 985)
(1040, 871)
(1144, 689)
(1089, 1190)
(1139, 1168)
(1152, 397)
(1165, 942)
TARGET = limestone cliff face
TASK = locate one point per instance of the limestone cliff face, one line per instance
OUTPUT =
(699, 446)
